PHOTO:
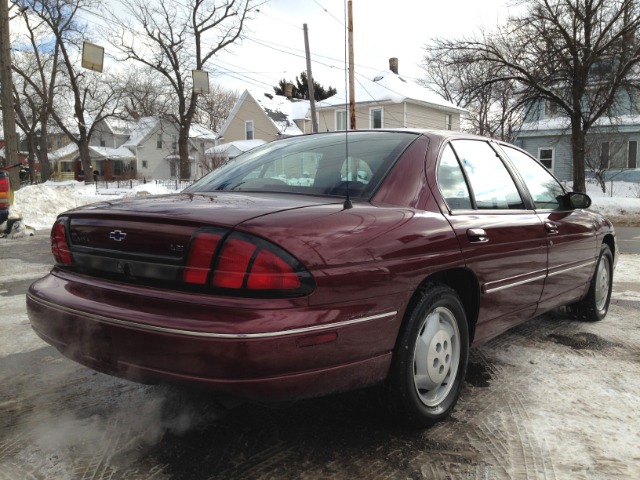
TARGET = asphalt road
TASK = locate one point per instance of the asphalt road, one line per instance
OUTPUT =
(628, 239)
(551, 399)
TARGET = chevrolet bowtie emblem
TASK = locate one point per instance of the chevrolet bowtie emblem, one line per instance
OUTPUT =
(117, 235)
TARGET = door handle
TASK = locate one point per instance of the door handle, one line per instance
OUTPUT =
(551, 227)
(477, 235)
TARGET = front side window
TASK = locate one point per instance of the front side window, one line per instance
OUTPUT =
(248, 130)
(447, 121)
(604, 155)
(491, 182)
(159, 140)
(545, 155)
(375, 118)
(174, 142)
(327, 165)
(545, 190)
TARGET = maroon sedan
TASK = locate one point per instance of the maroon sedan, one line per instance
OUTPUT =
(326, 263)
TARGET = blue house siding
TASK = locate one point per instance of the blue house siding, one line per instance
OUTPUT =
(544, 128)
(561, 145)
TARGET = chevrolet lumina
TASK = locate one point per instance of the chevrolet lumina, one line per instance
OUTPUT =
(325, 263)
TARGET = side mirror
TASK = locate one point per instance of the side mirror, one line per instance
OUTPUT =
(575, 200)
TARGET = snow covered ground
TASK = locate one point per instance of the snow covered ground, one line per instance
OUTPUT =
(38, 205)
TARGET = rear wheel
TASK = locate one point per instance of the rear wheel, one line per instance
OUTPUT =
(595, 305)
(430, 359)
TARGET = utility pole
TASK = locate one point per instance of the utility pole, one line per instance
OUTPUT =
(312, 98)
(6, 85)
(352, 88)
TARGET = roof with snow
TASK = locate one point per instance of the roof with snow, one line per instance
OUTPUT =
(199, 131)
(95, 152)
(140, 130)
(240, 146)
(386, 86)
(561, 124)
(280, 110)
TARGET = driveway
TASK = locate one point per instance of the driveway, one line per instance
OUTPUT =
(551, 399)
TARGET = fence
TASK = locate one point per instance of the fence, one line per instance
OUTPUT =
(176, 185)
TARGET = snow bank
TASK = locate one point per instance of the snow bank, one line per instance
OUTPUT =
(39, 205)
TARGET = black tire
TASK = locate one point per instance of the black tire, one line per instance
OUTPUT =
(426, 377)
(595, 305)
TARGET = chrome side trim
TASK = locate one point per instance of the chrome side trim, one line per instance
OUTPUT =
(575, 267)
(192, 333)
(488, 289)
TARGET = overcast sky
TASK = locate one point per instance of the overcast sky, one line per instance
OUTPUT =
(382, 29)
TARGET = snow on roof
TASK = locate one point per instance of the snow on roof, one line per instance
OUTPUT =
(386, 86)
(139, 130)
(202, 132)
(121, 153)
(96, 152)
(556, 125)
(63, 152)
(282, 111)
(241, 145)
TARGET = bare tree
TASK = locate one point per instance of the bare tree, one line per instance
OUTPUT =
(576, 53)
(92, 99)
(214, 107)
(37, 66)
(466, 82)
(174, 38)
(145, 93)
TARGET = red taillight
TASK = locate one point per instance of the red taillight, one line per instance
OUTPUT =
(243, 263)
(59, 244)
(233, 264)
(270, 272)
(200, 258)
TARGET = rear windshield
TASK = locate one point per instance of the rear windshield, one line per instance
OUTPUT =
(320, 164)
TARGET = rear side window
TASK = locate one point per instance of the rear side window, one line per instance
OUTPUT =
(545, 190)
(451, 181)
(491, 183)
(322, 164)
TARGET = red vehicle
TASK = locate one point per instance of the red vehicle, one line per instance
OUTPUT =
(5, 196)
(325, 263)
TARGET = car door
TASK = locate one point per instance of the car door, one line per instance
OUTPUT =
(571, 238)
(503, 242)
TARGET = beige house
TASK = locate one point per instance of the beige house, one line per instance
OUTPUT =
(265, 116)
(389, 100)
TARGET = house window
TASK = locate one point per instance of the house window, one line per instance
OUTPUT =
(248, 130)
(159, 140)
(375, 118)
(546, 157)
(103, 143)
(447, 121)
(604, 155)
(174, 142)
(341, 119)
(202, 147)
(551, 108)
(145, 164)
(632, 157)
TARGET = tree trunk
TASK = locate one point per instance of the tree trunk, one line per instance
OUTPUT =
(43, 156)
(83, 148)
(183, 153)
(578, 149)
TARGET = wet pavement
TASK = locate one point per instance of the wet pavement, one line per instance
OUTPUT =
(551, 399)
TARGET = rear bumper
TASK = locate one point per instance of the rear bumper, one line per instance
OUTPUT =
(278, 352)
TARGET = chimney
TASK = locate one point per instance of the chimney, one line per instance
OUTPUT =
(288, 90)
(393, 65)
